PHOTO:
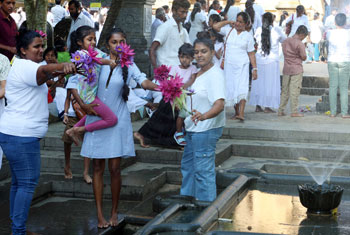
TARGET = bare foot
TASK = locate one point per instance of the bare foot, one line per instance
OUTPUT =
(102, 223)
(68, 173)
(87, 179)
(71, 133)
(240, 118)
(297, 115)
(268, 110)
(140, 138)
(345, 116)
(332, 116)
(258, 109)
(234, 117)
(281, 114)
(113, 221)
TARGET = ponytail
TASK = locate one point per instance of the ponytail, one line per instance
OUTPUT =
(126, 90)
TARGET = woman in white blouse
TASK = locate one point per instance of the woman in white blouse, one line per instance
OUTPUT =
(297, 19)
(238, 52)
(265, 91)
(231, 11)
(198, 22)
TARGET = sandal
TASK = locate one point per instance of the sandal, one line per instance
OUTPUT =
(179, 138)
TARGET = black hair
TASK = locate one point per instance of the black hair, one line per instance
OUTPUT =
(125, 70)
(219, 37)
(302, 30)
(196, 9)
(282, 18)
(215, 18)
(203, 34)
(206, 41)
(177, 4)
(244, 16)
(267, 21)
(75, 3)
(97, 26)
(79, 35)
(58, 2)
(60, 45)
(24, 39)
(186, 49)
(300, 8)
(49, 49)
(212, 5)
(250, 10)
(228, 4)
(165, 7)
(202, 2)
(316, 15)
(340, 19)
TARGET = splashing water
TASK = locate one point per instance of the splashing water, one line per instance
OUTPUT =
(321, 171)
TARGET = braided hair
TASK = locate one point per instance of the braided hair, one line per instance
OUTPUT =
(196, 9)
(250, 10)
(267, 21)
(125, 69)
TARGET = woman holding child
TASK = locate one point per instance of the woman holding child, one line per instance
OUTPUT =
(115, 142)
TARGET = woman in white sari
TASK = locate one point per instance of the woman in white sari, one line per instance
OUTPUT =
(238, 52)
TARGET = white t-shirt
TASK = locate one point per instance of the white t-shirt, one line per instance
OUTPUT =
(58, 14)
(316, 27)
(302, 20)
(259, 10)
(170, 39)
(232, 13)
(208, 87)
(339, 45)
(27, 112)
(330, 22)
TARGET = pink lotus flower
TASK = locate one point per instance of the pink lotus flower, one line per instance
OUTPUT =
(92, 54)
(162, 72)
(126, 54)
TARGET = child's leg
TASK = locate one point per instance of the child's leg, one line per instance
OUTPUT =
(108, 117)
(81, 122)
(179, 124)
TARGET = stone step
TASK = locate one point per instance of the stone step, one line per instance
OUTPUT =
(139, 181)
(298, 132)
(174, 156)
(53, 162)
(291, 151)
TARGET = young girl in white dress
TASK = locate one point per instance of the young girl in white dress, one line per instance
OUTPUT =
(265, 91)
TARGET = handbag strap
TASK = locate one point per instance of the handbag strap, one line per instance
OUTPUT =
(223, 56)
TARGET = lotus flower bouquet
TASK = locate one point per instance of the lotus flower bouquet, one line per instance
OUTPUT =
(126, 58)
(86, 62)
(126, 54)
(172, 88)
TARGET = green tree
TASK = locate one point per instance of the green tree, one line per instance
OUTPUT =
(36, 11)
(110, 20)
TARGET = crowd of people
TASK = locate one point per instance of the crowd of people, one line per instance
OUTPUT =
(228, 56)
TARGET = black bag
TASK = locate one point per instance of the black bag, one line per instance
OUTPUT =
(187, 26)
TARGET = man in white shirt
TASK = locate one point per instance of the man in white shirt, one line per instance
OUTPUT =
(160, 19)
(170, 36)
(78, 18)
(58, 13)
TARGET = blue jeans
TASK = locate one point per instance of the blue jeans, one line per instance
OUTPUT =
(198, 164)
(23, 154)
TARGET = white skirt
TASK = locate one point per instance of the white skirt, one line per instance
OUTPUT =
(237, 83)
(266, 90)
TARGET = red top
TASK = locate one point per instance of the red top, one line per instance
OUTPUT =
(8, 29)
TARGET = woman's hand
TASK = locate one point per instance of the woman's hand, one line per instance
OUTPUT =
(69, 68)
(255, 74)
(89, 109)
(197, 116)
